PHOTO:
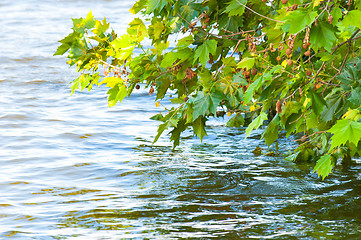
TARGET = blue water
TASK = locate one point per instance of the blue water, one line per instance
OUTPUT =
(72, 168)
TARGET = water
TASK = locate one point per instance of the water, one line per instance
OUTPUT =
(71, 168)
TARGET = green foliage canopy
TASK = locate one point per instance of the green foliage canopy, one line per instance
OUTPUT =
(292, 66)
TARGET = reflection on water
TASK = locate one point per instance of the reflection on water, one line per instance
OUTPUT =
(71, 168)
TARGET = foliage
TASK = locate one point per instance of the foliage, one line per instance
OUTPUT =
(291, 66)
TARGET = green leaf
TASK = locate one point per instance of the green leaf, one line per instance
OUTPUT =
(230, 61)
(332, 106)
(246, 63)
(255, 86)
(203, 51)
(117, 93)
(205, 78)
(155, 5)
(324, 166)
(256, 123)
(161, 129)
(123, 47)
(163, 84)
(176, 132)
(235, 7)
(139, 5)
(100, 27)
(352, 18)
(345, 131)
(323, 35)
(63, 48)
(271, 133)
(89, 21)
(205, 104)
(327, 58)
(82, 81)
(298, 20)
(168, 59)
(355, 97)
(236, 121)
(318, 103)
(198, 127)
(185, 42)
(156, 29)
(137, 29)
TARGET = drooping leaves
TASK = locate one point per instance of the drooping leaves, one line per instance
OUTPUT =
(198, 127)
(205, 104)
(345, 131)
(295, 63)
(323, 36)
(202, 52)
(256, 123)
(297, 20)
(235, 7)
(324, 166)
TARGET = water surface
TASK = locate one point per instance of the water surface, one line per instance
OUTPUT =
(71, 168)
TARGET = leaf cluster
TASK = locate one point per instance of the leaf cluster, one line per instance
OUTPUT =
(290, 66)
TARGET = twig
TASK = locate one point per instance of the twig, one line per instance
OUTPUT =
(250, 9)
(235, 49)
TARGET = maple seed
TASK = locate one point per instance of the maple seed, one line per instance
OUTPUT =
(294, 7)
(247, 74)
(308, 53)
(284, 1)
(305, 46)
(288, 51)
(330, 19)
(137, 87)
(289, 62)
(254, 71)
(308, 73)
(278, 106)
(151, 90)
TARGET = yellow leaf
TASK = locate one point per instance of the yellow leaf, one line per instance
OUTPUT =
(307, 100)
(316, 3)
(284, 63)
(352, 114)
(157, 104)
(229, 114)
(111, 81)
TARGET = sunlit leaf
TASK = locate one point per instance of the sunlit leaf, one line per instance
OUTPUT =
(345, 131)
(324, 166)
(235, 7)
(298, 20)
(116, 94)
(203, 51)
(205, 104)
(323, 35)
(256, 123)
(198, 127)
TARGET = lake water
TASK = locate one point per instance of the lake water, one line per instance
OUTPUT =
(71, 168)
